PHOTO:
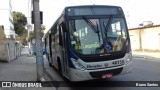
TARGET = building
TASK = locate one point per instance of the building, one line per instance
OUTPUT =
(145, 38)
(9, 49)
(6, 18)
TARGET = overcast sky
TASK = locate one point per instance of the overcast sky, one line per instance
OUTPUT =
(136, 11)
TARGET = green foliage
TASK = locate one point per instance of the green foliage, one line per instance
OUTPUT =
(20, 22)
(43, 27)
(20, 30)
(32, 35)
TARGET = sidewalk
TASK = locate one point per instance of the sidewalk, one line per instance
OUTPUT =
(21, 69)
(141, 54)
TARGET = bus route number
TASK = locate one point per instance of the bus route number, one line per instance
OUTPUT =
(119, 62)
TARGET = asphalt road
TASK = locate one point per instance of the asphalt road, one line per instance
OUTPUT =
(25, 50)
(143, 70)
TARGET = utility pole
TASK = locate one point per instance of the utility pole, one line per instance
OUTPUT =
(38, 40)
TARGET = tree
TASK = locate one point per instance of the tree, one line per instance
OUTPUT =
(32, 35)
(43, 27)
(20, 21)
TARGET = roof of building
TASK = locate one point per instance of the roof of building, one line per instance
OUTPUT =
(147, 26)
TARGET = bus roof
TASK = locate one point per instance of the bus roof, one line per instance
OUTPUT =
(92, 10)
(91, 6)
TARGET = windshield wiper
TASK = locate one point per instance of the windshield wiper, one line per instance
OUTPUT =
(91, 25)
(108, 24)
(95, 29)
(106, 27)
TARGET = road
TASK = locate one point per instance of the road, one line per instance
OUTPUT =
(25, 50)
(143, 70)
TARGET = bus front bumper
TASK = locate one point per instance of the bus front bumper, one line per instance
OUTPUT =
(78, 75)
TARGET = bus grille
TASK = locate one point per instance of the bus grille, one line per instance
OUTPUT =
(103, 58)
(98, 74)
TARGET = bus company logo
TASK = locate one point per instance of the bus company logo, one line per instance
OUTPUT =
(6, 84)
(106, 64)
(94, 66)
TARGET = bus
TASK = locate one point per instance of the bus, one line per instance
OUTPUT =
(89, 42)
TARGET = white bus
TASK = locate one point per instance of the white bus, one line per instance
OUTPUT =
(89, 42)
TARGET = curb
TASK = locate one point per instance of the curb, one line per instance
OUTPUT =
(142, 56)
(145, 57)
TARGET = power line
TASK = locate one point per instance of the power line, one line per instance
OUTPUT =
(71, 2)
(91, 2)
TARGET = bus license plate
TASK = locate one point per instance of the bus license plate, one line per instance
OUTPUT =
(109, 75)
(118, 62)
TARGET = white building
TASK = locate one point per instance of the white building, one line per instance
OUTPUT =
(6, 18)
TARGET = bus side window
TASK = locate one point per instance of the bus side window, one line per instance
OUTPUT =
(60, 36)
(63, 27)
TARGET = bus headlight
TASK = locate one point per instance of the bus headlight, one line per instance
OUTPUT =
(129, 58)
(77, 65)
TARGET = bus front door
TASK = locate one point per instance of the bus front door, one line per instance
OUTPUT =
(64, 57)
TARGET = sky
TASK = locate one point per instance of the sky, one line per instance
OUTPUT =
(136, 11)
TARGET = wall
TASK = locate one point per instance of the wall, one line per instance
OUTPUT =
(9, 49)
(134, 37)
(4, 55)
(151, 38)
(145, 38)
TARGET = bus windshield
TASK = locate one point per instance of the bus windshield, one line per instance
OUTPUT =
(98, 35)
